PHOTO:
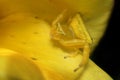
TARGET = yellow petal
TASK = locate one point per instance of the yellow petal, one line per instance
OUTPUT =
(31, 37)
(95, 13)
(22, 32)
(14, 66)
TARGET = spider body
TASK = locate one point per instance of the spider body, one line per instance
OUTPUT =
(72, 35)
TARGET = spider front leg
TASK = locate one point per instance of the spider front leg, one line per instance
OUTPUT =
(81, 33)
(56, 30)
(77, 44)
(85, 57)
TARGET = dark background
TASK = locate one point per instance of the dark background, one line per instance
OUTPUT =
(107, 53)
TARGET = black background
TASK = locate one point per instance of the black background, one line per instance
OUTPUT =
(107, 53)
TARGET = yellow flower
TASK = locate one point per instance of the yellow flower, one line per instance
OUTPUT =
(25, 28)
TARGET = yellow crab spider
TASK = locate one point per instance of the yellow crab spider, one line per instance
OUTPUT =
(72, 35)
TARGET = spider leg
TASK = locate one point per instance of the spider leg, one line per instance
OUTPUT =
(77, 44)
(74, 54)
(56, 29)
(80, 33)
(78, 28)
(59, 18)
(85, 57)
